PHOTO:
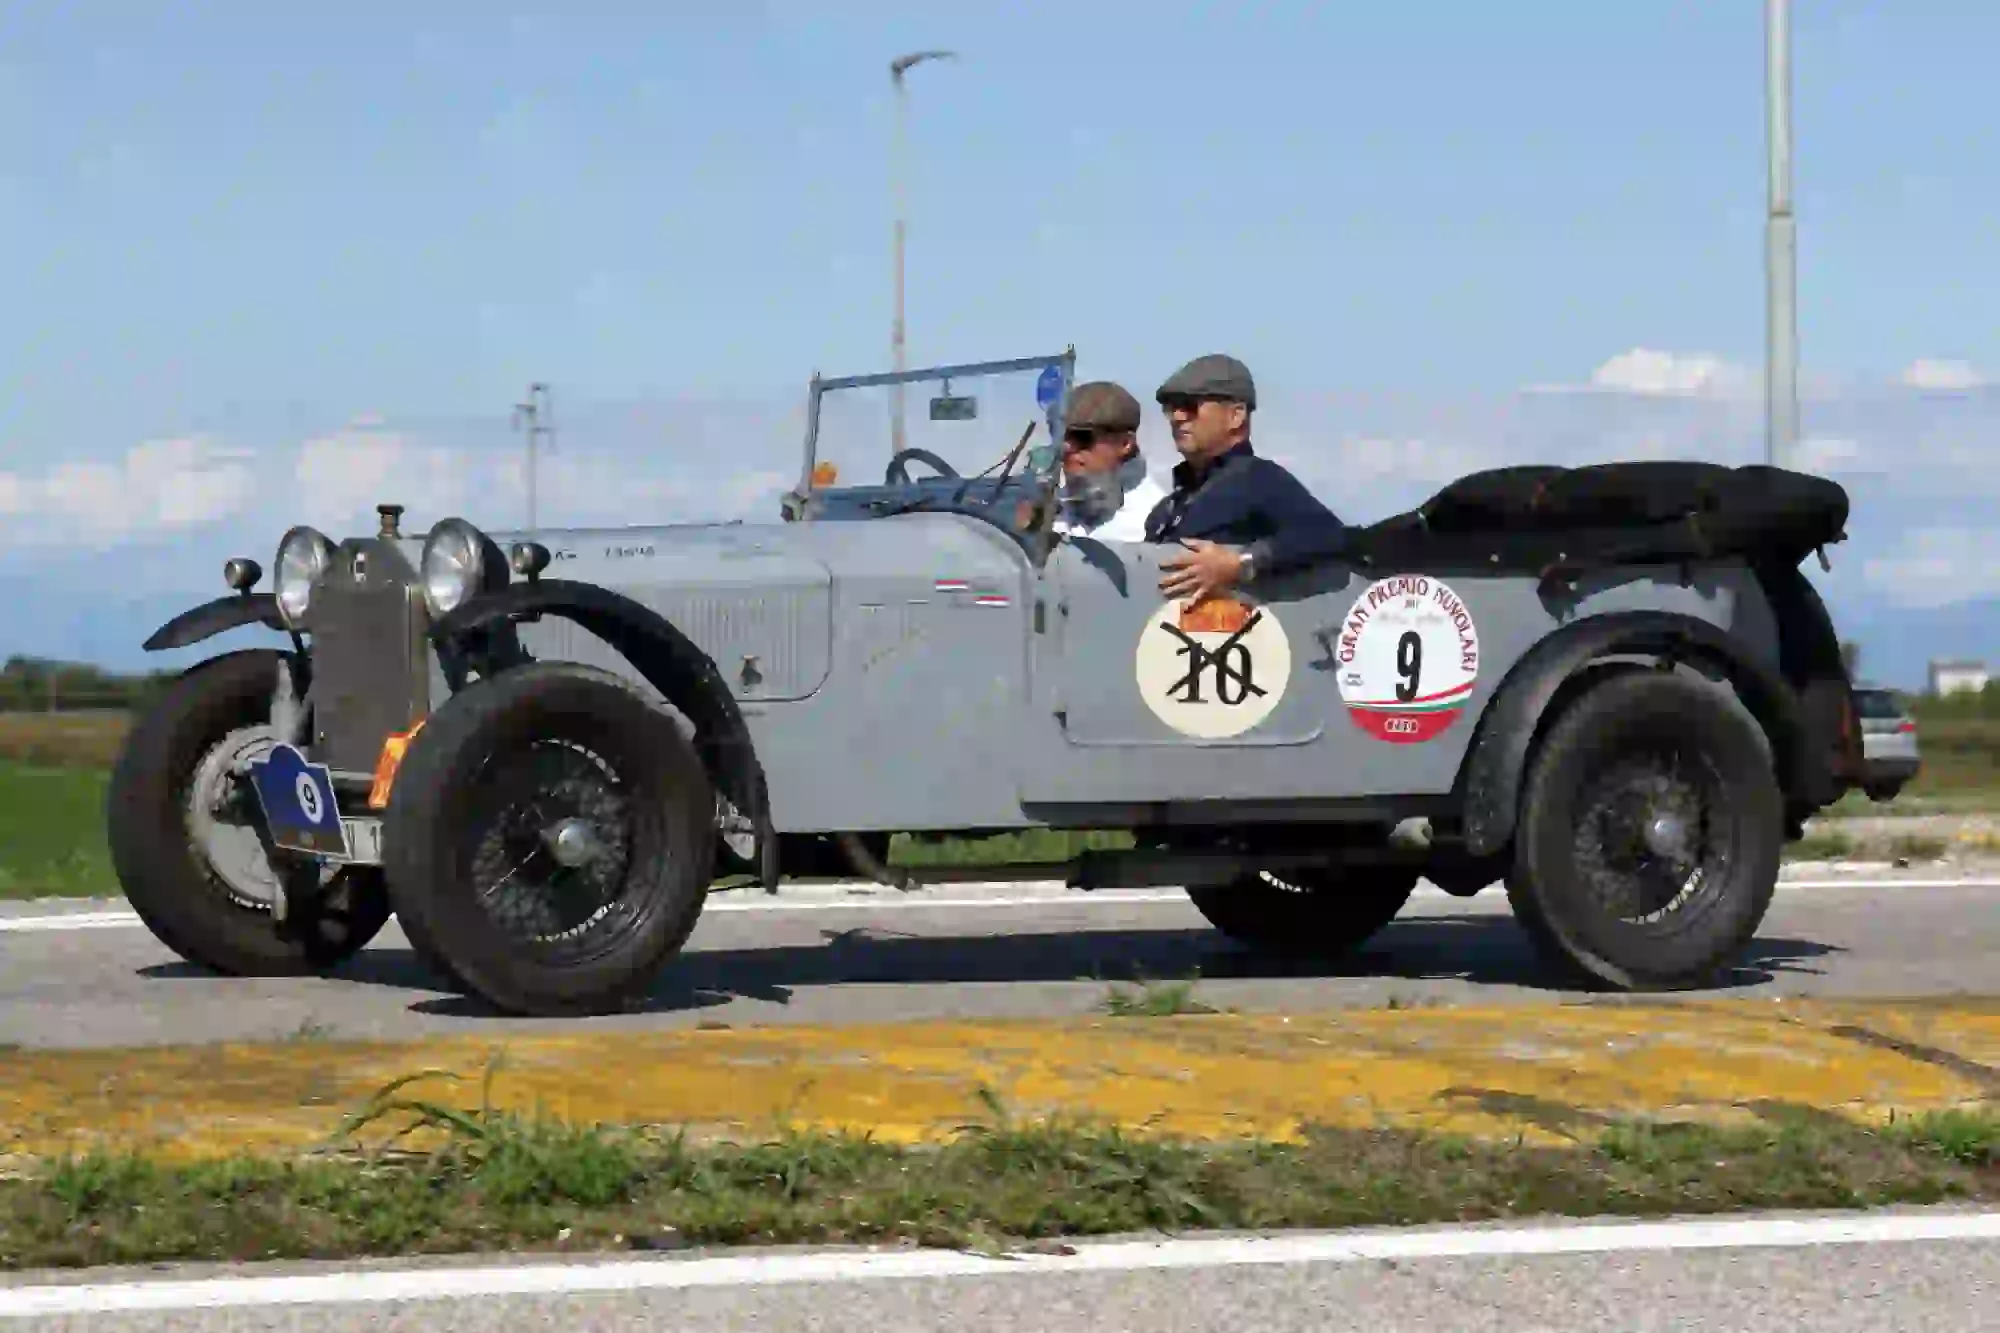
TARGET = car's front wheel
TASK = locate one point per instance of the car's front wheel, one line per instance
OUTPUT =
(185, 841)
(1306, 914)
(1650, 835)
(551, 835)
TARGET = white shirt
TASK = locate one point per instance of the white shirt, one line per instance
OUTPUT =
(1129, 523)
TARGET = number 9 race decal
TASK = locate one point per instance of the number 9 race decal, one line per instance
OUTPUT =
(1408, 656)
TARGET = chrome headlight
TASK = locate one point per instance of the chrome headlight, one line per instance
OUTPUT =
(454, 564)
(304, 555)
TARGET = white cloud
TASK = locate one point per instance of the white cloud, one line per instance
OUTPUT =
(1649, 373)
(1942, 375)
(1644, 371)
(1909, 460)
(1937, 566)
(160, 485)
(340, 478)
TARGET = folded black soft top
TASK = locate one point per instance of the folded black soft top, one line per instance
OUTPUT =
(1542, 518)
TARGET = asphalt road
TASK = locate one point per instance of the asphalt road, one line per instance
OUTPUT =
(1742, 1276)
(69, 977)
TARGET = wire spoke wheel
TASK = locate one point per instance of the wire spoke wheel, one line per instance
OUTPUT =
(552, 836)
(1649, 841)
(552, 839)
(185, 835)
(1307, 912)
(1650, 833)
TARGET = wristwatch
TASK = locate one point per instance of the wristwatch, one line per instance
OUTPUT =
(1246, 566)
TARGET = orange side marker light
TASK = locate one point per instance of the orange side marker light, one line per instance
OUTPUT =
(394, 747)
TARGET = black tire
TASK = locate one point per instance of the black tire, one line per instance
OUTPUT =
(1582, 829)
(497, 744)
(172, 885)
(1303, 914)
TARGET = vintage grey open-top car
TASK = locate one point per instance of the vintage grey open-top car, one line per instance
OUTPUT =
(1610, 687)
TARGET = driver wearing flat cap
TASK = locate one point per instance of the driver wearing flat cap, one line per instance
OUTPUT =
(1239, 515)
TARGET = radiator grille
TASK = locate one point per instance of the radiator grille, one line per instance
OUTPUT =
(371, 662)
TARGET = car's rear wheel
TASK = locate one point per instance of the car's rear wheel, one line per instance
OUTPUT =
(185, 835)
(551, 836)
(1306, 914)
(1650, 834)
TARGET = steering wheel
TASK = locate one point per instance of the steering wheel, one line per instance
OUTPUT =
(898, 473)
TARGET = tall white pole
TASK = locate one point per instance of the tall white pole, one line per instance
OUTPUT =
(1781, 360)
(897, 438)
(897, 68)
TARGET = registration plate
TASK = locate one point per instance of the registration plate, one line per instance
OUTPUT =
(363, 838)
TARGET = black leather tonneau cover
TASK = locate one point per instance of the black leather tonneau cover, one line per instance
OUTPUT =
(1543, 519)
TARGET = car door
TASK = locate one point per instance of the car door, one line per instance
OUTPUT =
(1152, 702)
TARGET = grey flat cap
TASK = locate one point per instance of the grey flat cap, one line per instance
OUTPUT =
(1211, 376)
(1102, 405)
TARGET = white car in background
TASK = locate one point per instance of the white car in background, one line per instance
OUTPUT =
(1888, 742)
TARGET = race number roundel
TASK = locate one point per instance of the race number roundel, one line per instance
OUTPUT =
(1213, 670)
(1407, 657)
(308, 797)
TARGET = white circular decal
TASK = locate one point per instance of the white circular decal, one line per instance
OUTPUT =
(308, 797)
(1408, 658)
(1213, 670)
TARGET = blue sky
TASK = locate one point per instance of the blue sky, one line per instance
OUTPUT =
(293, 255)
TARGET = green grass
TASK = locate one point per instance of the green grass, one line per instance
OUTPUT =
(52, 832)
(502, 1182)
(1029, 846)
(1155, 999)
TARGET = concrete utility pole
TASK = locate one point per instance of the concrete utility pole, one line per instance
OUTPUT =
(897, 68)
(537, 417)
(1781, 357)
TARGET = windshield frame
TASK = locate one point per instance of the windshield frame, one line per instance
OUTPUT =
(1064, 363)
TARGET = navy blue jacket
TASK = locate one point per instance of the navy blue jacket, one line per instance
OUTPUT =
(1247, 501)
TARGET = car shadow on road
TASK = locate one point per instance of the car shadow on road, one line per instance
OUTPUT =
(1479, 951)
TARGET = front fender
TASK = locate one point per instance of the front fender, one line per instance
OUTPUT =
(670, 661)
(1490, 778)
(216, 617)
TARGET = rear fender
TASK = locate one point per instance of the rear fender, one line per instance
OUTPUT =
(1809, 655)
(1532, 693)
(216, 617)
(669, 660)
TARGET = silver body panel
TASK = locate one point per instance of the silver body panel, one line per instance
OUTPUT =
(917, 672)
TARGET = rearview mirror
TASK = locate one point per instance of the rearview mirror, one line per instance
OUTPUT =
(948, 408)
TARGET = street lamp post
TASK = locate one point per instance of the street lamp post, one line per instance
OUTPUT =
(534, 417)
(897, 68)
(1781, 358)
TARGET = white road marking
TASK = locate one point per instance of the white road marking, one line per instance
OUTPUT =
(882, 898)
(365, 1285)
(70, 921)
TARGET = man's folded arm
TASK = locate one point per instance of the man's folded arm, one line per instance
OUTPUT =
(1303, 531)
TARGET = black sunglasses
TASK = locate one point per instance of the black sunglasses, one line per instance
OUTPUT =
(1191, 402)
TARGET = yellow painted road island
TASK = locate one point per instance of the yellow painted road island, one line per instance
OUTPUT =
(1539, 1071)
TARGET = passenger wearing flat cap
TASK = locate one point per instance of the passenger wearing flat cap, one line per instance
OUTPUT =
(1241, 516)
(1106, 490)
